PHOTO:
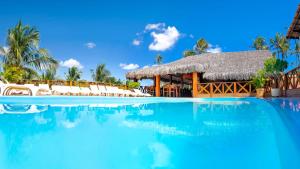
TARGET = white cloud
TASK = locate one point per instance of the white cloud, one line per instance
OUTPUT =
(90, 45)
(130, 66)
(191, 36)
(146, 66)
(71, 63)
(212, 49)
(155, 26)
(165, 39)
(5, 50)
(136, 42)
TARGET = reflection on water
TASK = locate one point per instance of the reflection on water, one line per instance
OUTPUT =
(289, 110)
(154, 135)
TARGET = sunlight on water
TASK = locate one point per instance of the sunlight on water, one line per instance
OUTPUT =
(234, 133)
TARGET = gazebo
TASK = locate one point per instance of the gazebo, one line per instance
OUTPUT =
(207, 75)
(294, 29)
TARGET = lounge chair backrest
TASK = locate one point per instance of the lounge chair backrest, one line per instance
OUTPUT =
(85, 89)
(137, 91)
(94, 87)
(29, 85)
(44, 86)
(101, 88)
(112, 88)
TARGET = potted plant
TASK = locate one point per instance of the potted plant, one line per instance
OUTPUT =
(259, 81)
(274, 69)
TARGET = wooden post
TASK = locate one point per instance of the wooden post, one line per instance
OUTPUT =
(195, 84)
(157, 86)
(234, 88)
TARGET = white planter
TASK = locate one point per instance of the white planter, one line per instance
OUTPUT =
(275, 92)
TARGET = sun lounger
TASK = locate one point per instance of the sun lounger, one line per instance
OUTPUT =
(94, 90)
(140, 93)
(103, 90)
(60, 90)
(15, 89)
(85, 91)
(115, 91)
(43, 89)
(74, 90)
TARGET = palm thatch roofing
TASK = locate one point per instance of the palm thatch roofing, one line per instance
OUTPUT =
(214, 66)
(294, 29)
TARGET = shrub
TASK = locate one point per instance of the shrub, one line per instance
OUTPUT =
(132, 84)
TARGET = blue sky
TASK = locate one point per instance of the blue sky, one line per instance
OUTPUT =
(126, 34)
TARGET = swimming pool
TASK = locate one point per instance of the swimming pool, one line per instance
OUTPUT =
(143, 133)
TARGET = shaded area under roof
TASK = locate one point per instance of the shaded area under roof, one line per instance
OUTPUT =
(294, 29)
(214, 66)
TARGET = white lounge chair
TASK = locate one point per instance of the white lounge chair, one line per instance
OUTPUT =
(16, 89)
(60, 90)
(43, 89)
(94, 90)
(85, 91)
(140, 93)
(115, 91)
(103, 90)
(74, 90)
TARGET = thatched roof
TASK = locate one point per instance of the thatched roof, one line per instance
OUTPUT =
(294, 30)
(214, 66)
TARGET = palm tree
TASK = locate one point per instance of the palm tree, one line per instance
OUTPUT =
(101, 74)
(73, 74)
(201, 46)
(158, 59)
(48, 74)
(281, 45)
(23, 51)
(260, 43)
(187, 53)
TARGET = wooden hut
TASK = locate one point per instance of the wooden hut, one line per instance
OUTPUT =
(294, 29)
(208, 74)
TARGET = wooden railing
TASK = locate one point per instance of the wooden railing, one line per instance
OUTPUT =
(288, 83)
(225, 89)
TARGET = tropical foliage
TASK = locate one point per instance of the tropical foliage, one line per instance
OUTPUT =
(260, 43)
(113, 80)
(132, 85)
(274, 68)
(13, 73)
(158, 59)
(280, 45)
(73, 74)
(187, 53)
(22, 55)
(201, 46)
(48, 74)
(101, 74)
(259, 80)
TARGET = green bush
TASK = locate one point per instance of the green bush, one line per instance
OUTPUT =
(274, 68)
(132, 84)
(13, 74)
(259, 80)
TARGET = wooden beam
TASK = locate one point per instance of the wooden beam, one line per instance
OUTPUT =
(157, 86)
(195, 84)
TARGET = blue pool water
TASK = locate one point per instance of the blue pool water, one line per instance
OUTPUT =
(146, 133)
